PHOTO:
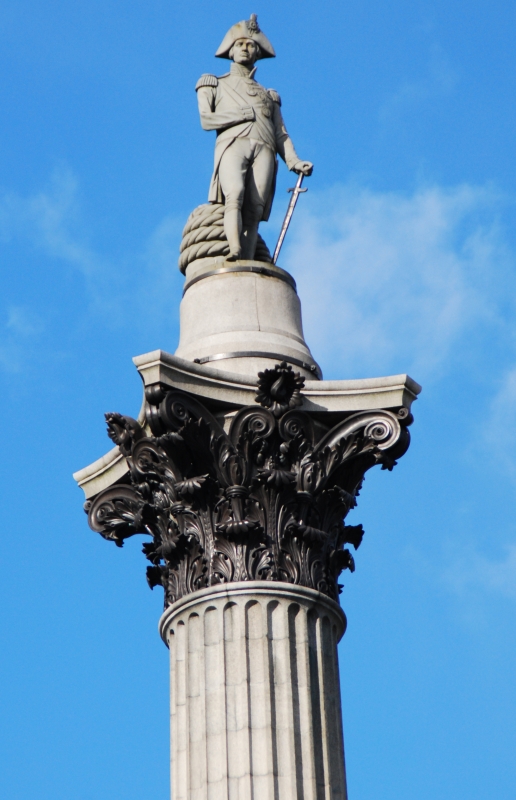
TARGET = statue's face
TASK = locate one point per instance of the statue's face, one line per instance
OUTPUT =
(245, 51)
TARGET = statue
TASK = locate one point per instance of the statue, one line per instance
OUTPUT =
(250, 135)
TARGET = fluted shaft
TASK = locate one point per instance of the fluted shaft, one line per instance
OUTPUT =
(255, 697)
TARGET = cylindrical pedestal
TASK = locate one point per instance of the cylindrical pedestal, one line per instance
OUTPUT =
(242, 315)
(255, 697)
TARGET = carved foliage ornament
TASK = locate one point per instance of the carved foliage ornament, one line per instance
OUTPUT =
(265, 501)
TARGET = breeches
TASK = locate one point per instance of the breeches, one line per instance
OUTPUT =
(246, 173)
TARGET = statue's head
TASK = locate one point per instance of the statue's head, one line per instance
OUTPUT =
(245, 43)
(245, 51)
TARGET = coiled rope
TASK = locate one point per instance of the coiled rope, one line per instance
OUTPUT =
(203, 236)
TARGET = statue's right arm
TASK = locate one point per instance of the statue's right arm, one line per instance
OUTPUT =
(212, 120)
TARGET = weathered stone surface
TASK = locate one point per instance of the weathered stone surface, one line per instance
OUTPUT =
(240, 314)
(255, 697)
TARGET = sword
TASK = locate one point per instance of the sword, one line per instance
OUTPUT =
(296, 191)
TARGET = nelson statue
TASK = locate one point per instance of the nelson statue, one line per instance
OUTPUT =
(250, 135)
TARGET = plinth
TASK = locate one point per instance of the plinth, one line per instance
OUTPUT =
(241, 469)
(237, 315)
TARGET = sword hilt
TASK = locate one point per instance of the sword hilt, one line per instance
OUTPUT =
(297, 188)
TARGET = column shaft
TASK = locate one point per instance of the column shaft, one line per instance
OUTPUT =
(255, 698)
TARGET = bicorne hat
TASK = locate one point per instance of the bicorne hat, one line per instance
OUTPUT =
(246, 29)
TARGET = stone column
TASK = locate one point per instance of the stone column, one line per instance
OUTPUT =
(241, 482)
(244, 507)
(255, 698)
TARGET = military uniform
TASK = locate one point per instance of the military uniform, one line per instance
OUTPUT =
(250, 135)
(239, 108)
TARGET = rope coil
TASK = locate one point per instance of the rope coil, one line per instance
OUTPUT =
(203, 236)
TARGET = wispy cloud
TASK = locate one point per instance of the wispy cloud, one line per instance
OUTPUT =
(21, 322)
(391, 281)
(162, 282)
(51, 220)
(116, 289)
(471, 572)
(439, 80)
(17, 331)
(500, 429)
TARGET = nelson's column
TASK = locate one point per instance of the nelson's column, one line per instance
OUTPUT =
(240, 469)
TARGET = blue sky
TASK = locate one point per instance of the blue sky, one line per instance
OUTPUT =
(404, 251)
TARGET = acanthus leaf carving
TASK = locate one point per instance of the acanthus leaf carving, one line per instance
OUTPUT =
(267, 500)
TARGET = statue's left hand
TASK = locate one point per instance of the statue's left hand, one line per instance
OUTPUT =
(306, 167)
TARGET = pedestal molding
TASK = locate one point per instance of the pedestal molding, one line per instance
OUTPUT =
(245, 589)
(313, 367)
(270, 271)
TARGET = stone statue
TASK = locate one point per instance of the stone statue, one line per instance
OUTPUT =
(250, 135)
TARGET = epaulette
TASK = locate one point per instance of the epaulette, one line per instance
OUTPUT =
(206, 80)
(274, 96)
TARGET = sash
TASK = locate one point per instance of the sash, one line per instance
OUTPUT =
(265, 132)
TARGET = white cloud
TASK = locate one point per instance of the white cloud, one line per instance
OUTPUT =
(17, 331)
(117, 290)
(22, 322)
(471, 572)
(47, 219)
(439, 80)
(500, 429)
(50, 221)
(162, 285)
(390, 282)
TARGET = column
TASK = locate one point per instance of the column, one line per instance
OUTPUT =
(255, 697)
